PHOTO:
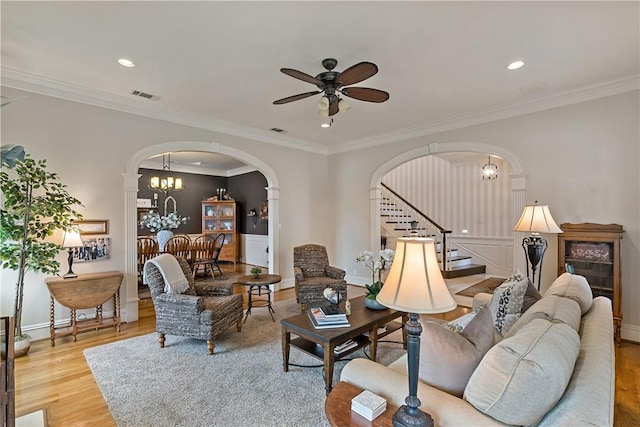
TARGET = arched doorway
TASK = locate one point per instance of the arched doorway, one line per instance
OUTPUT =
(517, 177)
(130, 206)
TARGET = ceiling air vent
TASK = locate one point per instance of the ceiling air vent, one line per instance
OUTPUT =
(278, 130)
(145, 95)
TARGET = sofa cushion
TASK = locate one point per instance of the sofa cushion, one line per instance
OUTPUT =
(507, 300)
(573, 287)
(522, 377)
(448, 358)
(552, 308)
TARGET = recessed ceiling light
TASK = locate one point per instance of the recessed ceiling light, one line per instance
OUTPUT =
(515, 65)
(325, 125)
(126, 62)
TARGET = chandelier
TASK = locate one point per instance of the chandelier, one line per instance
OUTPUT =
(167, 182)
(489, 171)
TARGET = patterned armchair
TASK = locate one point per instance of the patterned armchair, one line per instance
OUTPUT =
(313, 274)
(204, 311)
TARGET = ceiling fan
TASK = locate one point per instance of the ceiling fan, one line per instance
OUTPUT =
(332, 83)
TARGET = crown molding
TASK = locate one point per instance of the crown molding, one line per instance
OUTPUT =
(46, 86)
(18, 79)
(616, 86)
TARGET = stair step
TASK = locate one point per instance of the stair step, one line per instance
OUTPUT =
(464, 271)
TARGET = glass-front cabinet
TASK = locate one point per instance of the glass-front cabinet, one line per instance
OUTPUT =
(220, 217)
(593, 251)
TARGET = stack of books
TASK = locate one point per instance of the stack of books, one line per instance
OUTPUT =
(321, 320)
(369, 405)
(344, 346)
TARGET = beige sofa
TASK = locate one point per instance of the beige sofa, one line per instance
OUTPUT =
(587, 400)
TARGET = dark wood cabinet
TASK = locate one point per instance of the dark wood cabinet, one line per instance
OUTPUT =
(593, 251)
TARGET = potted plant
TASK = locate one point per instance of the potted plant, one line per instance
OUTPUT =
(34, 205)
(256, 271)
(377, 266)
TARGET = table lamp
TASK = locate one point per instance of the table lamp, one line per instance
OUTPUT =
(415, 285)
(535, 220)
(71, 240)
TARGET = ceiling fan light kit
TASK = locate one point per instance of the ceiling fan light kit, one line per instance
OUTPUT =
(332, 85)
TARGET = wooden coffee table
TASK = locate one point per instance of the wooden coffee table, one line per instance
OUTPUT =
(320, 343)
(337, 408)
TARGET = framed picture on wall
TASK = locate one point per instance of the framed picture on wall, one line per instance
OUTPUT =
(92, 226)
(95, 248)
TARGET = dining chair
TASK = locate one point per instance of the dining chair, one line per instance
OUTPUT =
(147, 249)
(180, 246)
(206, 250)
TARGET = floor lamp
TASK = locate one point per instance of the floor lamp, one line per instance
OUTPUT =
(536, 219)
(415, 285)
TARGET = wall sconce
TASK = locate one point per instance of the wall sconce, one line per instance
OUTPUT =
(253, 214)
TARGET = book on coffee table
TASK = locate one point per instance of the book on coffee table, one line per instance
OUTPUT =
(322, 319)
(327, 325)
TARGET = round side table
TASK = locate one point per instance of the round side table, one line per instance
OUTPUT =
(257, 287)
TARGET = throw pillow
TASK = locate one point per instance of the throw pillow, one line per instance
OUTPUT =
(522, 377)
(531, 296)
(447, 358)
(507, 301)
(461, 322)
(573, 287)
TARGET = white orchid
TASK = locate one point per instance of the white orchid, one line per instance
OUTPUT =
(383, 262)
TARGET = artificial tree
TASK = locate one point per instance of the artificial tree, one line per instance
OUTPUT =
(34, 205)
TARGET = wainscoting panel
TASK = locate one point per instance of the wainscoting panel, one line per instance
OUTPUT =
(496, 254)
(253, 249)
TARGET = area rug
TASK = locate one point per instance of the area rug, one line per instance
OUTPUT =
(486, 286)
(243, 384)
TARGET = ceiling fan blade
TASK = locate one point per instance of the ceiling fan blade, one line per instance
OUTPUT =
(302, 76)
(295, 97)
(365, 94)
(333, 106)
(357, 73)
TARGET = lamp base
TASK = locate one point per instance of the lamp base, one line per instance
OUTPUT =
(402, 418)
(70, 275)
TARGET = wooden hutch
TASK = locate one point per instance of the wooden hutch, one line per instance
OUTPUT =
(220, 217)
(593, 251)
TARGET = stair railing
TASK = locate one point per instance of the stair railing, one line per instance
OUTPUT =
(416, 222)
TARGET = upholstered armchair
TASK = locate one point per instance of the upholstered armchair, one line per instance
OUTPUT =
(313, 274)
(203, 311)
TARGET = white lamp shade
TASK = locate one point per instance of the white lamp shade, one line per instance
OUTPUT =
(72, 239)
(537, 219)
(415, 283)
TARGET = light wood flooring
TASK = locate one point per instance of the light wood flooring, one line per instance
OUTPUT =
(59, 380)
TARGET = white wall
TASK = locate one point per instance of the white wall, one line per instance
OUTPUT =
(89, 148)
(582, 160)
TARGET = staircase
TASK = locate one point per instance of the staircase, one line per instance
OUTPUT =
(399, 218)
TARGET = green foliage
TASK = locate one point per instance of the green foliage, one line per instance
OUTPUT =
(256, 270)
(373, 290)
(35, 205)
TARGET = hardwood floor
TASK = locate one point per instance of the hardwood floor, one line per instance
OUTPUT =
(59, 380)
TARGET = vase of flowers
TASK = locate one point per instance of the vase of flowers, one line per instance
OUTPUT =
(377, 266)
(163, 225)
